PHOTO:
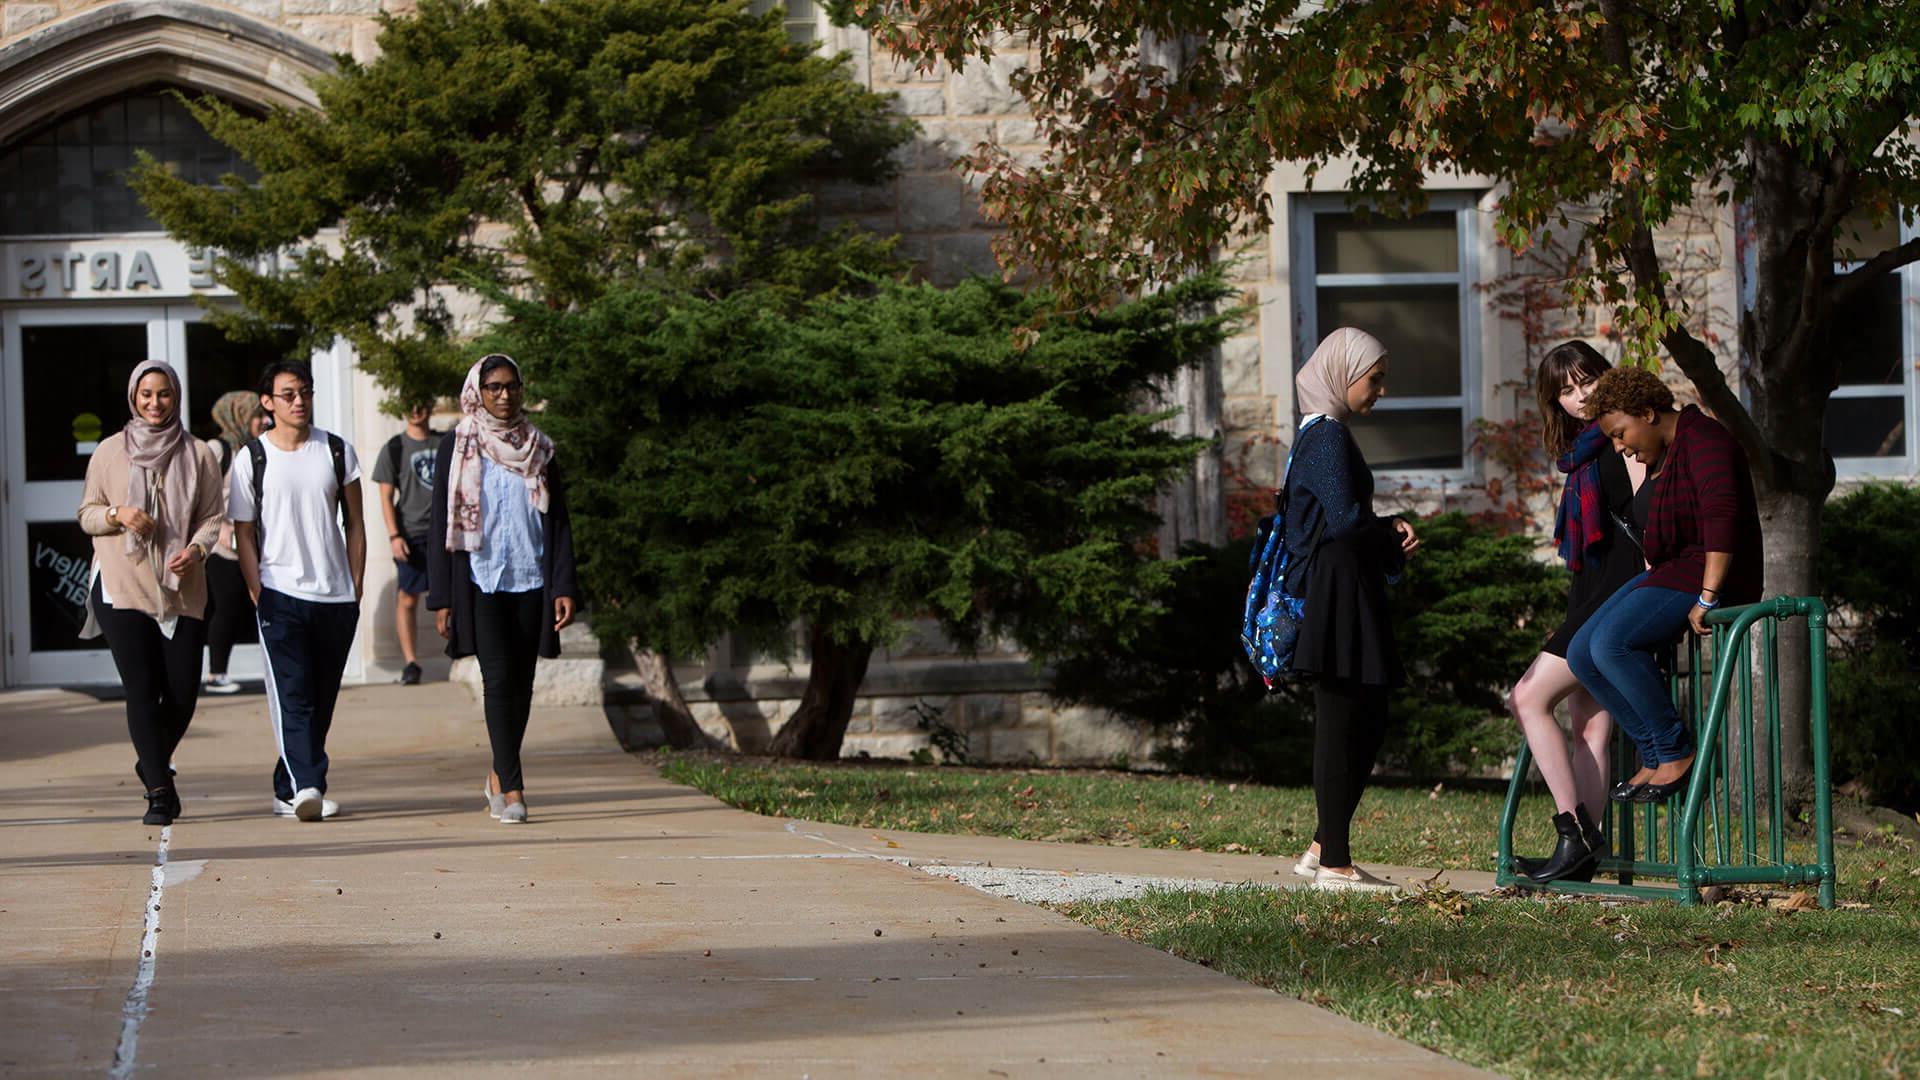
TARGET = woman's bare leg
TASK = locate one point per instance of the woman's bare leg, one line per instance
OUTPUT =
(1592, 734)
(1547, 680)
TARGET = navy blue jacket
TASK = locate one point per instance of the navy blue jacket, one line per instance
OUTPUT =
(1331, 483)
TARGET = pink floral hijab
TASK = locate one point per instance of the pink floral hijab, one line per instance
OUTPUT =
(515, 445)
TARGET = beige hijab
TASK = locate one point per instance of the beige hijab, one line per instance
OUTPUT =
(1343, 359)
(163, 477)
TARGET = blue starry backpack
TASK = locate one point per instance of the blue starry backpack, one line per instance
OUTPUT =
(1270, 622)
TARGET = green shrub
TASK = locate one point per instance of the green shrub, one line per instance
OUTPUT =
(1870, 564)
(1469, 615)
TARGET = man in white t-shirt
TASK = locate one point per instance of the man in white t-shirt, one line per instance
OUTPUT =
(290, 490)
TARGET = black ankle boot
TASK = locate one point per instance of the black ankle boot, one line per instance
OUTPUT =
(1571, 857)
(160, 807)
(1590, 832)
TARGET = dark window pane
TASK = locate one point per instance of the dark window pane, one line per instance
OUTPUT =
(96, 148)
(76, 378)
(1419, 325)
(1347, 244)
(1866, 336)
(1867, 427)
(1398, 440)
(217, 364)
(59, 561)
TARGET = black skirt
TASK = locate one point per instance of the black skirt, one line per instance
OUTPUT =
(1348, 630)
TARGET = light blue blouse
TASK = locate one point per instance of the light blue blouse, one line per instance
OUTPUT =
(513, 535)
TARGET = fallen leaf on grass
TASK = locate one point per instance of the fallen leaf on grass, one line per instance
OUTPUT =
(1236, 847)
(1702, 1008)
(1799, 901)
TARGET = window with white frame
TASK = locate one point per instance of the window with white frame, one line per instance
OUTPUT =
(800, 17)
(1871, 414)
(1408, 282)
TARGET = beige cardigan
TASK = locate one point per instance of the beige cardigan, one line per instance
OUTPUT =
(135, 585)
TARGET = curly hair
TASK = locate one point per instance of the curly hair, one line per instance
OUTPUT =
(1630, 390)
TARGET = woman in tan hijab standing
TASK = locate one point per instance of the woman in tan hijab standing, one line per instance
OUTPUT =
(1340, 556)
(153, 505)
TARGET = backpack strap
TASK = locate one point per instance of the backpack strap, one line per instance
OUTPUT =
(394, 450)
(338, 447)
(223, 454)
(258, 454)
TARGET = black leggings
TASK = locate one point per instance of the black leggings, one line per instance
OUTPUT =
(506, 641)
(229, 611)
(1350, 723)
(162, 680)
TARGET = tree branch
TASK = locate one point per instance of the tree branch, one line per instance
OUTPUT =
(1851, 284)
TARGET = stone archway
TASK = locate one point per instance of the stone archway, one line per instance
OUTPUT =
(113, 49)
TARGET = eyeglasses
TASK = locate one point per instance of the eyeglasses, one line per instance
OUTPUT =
(291, 396)
(499, 388)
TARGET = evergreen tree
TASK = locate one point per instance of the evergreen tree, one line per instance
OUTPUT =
(549, 148)
(854, 461)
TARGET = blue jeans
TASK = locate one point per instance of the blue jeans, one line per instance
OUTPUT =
(1613, 656)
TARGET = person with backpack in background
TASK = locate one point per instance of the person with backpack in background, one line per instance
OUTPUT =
(151, 502)
(404, 473)
(297, 521)
(240, 418)
(500, 560)
(1340, 556)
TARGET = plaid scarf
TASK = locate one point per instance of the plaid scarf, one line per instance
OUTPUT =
(1581, 521)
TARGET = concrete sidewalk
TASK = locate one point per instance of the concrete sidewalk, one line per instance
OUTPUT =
(632, 926)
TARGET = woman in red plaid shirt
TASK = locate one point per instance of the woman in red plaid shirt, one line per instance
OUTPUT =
(1701, 534)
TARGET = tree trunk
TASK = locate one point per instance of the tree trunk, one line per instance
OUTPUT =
(1790, 374)
(834, 674)
(1193, 510)
(669, 706)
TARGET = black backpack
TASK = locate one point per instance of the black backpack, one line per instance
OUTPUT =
(258, 453)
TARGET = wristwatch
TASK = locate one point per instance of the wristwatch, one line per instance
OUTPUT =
(113, 516)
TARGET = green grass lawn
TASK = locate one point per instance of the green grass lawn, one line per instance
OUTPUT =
(1525, 986)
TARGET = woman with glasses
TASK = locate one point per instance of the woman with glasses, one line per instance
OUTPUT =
(152, 503)
(500, 575)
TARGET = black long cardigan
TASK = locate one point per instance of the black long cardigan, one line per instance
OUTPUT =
(450, 573)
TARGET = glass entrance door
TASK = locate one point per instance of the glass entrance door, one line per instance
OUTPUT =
(64, 386)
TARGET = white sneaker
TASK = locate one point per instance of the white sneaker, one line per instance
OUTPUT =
(326, 807)
(1308, 865)
(1361, 881)
(220, 684)
(495, 801)
(514, 813)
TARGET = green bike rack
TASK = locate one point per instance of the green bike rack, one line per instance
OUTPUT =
(1725, 843)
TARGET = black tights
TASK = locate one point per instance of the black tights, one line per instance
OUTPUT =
(506, 641)
(230, 612)
(1350, 723)
(162, 680)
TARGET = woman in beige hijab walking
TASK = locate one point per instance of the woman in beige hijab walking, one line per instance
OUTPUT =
(153, 505)
(1340, 557)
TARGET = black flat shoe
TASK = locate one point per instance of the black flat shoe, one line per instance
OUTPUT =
(1624, 791)
(160, 806)
(1659, 793)
(173, 797)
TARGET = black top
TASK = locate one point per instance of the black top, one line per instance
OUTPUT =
(1613, 562)
(1348, 631)
(450, 573)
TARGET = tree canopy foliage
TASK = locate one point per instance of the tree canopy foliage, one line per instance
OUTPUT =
(863, 459)
(549, 147)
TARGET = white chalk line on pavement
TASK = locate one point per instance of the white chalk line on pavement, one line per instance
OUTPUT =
(134, 1012)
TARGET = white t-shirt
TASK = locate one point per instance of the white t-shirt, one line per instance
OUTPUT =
(305, 550)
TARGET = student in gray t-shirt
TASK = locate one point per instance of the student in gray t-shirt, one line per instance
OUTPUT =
(404, 471)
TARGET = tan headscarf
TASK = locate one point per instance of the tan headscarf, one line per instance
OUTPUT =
(233, 413)
(1341, 360)
(163, 476)
(515, 445)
